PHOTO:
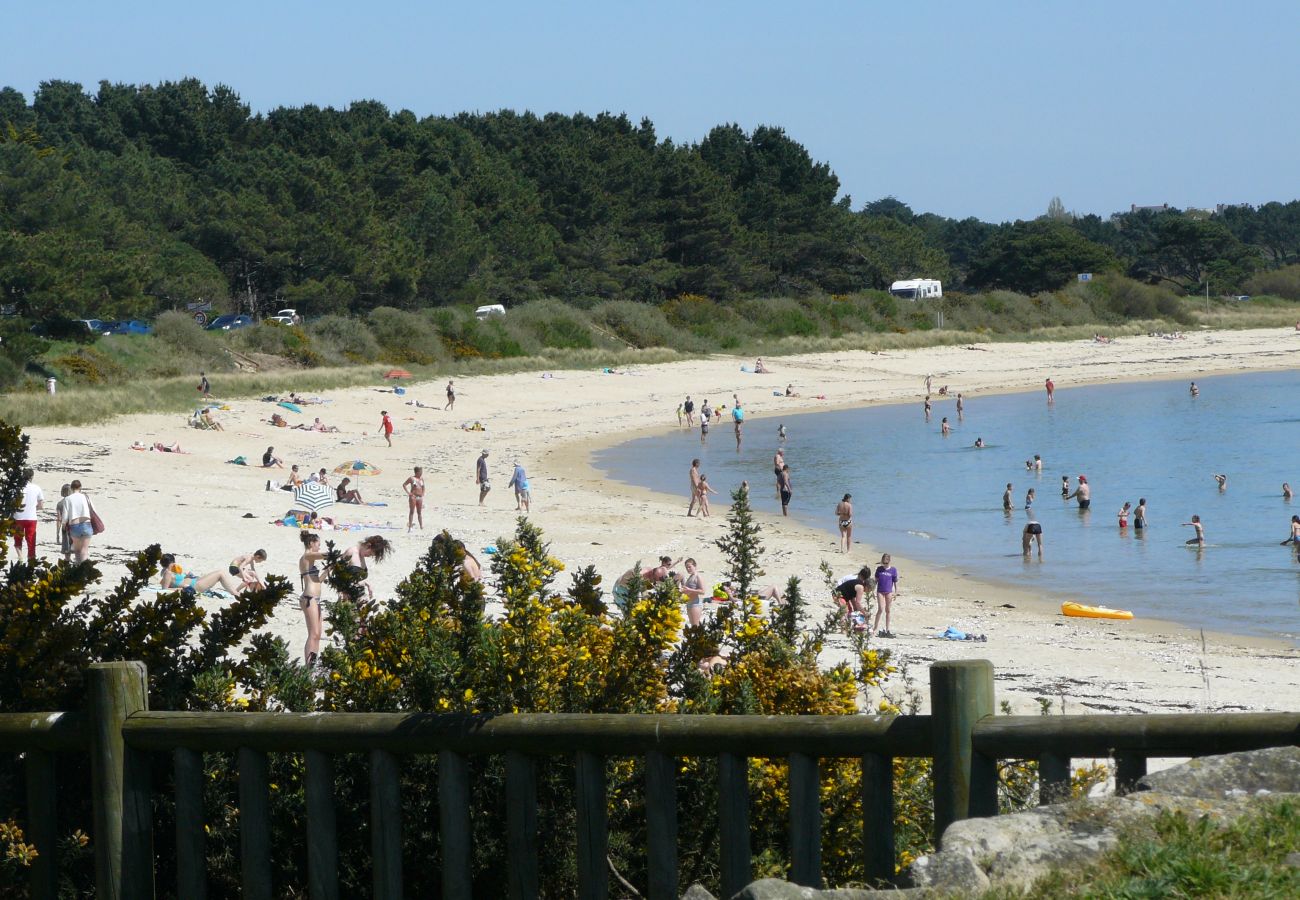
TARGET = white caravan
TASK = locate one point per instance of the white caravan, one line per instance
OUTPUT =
(916, 289)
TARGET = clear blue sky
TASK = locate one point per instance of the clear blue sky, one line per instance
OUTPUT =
(960, 108)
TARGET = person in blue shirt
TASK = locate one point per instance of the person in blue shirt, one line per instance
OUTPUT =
(519, 481)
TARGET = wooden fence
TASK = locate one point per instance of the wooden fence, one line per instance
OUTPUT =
(963, 737)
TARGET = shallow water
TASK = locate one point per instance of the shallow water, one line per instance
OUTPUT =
(939, 500)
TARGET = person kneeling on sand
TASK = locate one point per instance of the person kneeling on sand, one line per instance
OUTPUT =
(649, 576)
(854, 595)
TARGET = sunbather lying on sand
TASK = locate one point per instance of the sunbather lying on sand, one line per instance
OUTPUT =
(317, 425)
(175, 578)
(278, 421)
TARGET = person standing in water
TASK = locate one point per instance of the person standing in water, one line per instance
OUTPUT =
(1051, 390)
(1199, 540)
(695, 486)
(1123, 515)
(786, 489)
(1222, 482)
(979, 443)
(1038, 463)
(1029, 499)
(1006, 498)
(844, 516)
(778, 460)
(1286, 491)
(927, 407)
(1032, 533)
(1140, 515)
(413, 486)
(961, 406)
(1194, 390)
(1295, 531)
(1083, 493)
(1065, 487)
(944, 427)
(780, 432)
(738, 418)
(886, 589)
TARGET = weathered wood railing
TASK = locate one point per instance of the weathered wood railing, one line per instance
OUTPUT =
(962, 736)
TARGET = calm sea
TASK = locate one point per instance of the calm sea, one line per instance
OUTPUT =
(939, 500)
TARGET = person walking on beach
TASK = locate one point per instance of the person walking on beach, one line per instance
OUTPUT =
(413, 486)
(1199, 539)
(76, 511)
(25, 518)
(695, 486)
(944, 427)
(1222, 481)
(1006, 498)
(1295, 532)
(61, 523)
(886, 590)
(1051, 390)
(1033, 532)
(703, 490)
(519, 481)
(386, 423)
(679, 415)
(689, 408)
(1083, 493)
(309, 573)
(205, 389)
(1140, 515)
(844, 515)
(451, 395)
(481, 477)
(786, 489)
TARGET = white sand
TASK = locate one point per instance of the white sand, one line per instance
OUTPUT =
(194, 504)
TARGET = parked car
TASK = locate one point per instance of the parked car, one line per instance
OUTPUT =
(127, 326)
(485, 312)
(93, 325)
(229, 323)
(281, 320)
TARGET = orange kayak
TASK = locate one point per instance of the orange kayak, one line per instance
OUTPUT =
(1069, 608)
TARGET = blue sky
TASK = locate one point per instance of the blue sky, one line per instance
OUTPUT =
(963, 109)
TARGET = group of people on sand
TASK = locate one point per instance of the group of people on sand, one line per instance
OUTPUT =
(854, 596)
(75, 520)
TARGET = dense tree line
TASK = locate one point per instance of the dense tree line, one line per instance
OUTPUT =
(134, 199)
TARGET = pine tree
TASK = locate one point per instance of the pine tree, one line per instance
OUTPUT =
(740, 545)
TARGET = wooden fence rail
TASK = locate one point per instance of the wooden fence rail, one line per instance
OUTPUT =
(117, 733)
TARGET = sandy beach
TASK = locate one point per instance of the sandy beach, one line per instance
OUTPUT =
(195, 504)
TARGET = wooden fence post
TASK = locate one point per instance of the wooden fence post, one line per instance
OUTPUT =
(123, 815)
(961, 693)
(42, 824)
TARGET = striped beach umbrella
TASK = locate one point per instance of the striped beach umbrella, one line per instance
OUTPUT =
(313, 496)
(357, 467)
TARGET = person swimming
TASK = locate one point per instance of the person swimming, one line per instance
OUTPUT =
(979, 443)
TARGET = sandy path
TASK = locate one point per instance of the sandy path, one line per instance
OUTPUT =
(195, 504)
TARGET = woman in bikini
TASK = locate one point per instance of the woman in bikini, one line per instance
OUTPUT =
(309, 570)
(175, 578)
(354, 558)
(844, 514)
(414, 487)
(702, 491)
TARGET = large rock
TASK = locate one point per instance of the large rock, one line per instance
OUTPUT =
(1016, 850)
(1276, 770)
(773, 889)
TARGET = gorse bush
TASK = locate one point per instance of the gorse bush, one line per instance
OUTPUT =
(1284, 283)
(344, 340)
(405, 337)
(182, 333)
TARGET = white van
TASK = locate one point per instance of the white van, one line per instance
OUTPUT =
(484, 312)
(916, 289)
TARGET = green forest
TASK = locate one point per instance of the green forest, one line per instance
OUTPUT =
(135, 199)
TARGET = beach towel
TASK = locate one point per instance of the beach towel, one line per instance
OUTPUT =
(292, 407)
(952, 634)
(399, 391)
(237, 461)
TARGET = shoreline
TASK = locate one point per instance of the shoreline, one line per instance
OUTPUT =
(207, 512)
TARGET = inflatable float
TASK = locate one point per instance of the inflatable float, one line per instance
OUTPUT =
(1069, 608)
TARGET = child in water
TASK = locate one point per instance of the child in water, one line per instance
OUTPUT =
(1123, 514)
(1199, 540)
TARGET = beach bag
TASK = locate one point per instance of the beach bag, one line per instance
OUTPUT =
(96, 523)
